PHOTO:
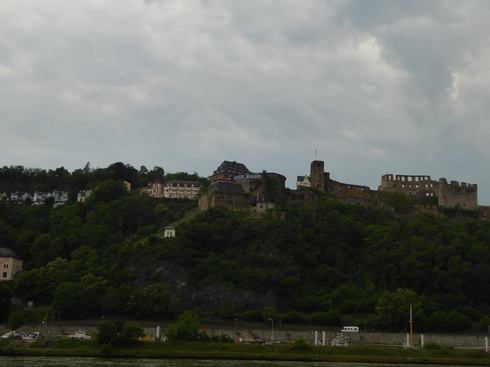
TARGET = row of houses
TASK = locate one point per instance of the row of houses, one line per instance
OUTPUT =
(38, 198)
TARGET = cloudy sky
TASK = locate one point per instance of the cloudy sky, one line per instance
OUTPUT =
(369, 87)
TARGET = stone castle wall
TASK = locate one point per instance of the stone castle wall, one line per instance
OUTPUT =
(457, 194)
(417, 186)
(422, 188)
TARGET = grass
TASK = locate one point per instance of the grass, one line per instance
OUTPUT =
(80, 348)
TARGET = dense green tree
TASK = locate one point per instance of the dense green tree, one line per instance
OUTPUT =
(153, 301)
(118, 334)
(311, 258)
(68, 299)
(186, 328)
(106, 332)
(5, 301)
(393, 308)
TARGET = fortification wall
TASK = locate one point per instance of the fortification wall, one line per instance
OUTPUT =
(411, 185)
(251, 184)
(353, 194)
(347, 190)
(457, 194)
(217, 198)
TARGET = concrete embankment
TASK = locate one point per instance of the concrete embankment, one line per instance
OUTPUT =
(284, 335)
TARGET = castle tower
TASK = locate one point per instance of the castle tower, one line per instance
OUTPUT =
(457, 194)
(317, 175)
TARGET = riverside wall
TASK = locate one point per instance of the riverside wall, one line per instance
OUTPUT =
(284, 335)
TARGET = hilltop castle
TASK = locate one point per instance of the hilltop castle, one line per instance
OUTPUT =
(234, 186)
(422, 188)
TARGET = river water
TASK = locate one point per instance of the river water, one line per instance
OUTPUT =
(115, 362)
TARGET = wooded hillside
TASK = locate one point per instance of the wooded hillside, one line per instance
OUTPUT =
(319, 264)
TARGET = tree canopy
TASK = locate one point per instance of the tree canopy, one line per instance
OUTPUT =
(107, 256)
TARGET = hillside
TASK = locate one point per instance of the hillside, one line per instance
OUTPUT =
(321, 263)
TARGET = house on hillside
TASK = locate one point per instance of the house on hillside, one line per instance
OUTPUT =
(303, 181)
(181, 189)
(174, 189)
(10, 264)
(169, 232)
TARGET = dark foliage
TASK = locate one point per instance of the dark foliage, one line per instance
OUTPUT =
(319, 262)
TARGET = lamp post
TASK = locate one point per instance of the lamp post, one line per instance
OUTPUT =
(272, 330)
(411, 328)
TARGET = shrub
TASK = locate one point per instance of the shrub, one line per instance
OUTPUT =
(107, 348)
(300, 344)
(16, 320)
(252, 315)
(222, 338)
(331, 318)
(294, 317)
(186, 328)
(433, 345)
(120, 334)
(106, 331)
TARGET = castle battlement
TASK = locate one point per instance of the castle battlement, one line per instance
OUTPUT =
(454, 194)
(455, 185)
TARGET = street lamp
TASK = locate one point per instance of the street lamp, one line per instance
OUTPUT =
(272, 330)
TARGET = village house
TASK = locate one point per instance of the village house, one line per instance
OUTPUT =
(10, 264)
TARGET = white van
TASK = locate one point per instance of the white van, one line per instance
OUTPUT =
(350, 329)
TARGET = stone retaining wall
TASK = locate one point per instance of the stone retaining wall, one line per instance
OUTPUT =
(282, 335)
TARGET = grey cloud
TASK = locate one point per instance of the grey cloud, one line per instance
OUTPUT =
(374, 87)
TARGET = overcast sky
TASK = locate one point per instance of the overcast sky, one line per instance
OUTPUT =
(373, 87)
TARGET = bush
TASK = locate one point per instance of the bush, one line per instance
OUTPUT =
(452, 321)
(433, 345)
(294, 317)
(252, 315)
(16, 320)
(222, 338)
(106, 331)
(120, 334)
(300, 344)
(225, 310)
(186, 328)
(331, 318)
(268, 313)
(107, 349)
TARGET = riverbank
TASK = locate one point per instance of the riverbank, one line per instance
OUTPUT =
(241, 351)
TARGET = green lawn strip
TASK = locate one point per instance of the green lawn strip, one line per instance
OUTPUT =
(257, 352)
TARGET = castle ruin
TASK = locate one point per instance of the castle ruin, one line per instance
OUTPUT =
(234, 186)
(444, 194)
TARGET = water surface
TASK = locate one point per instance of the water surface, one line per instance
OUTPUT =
(123, 362)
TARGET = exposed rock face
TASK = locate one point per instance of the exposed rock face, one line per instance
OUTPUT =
(208, 296)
